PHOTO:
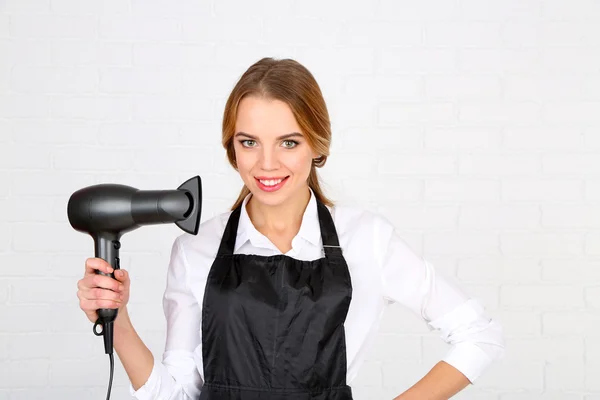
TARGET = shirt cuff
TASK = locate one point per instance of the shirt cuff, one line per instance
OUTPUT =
(149, 390)
(469, 359)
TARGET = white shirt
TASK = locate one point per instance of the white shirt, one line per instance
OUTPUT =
(383, 270)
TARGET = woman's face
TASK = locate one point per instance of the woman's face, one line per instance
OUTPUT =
(273, 156)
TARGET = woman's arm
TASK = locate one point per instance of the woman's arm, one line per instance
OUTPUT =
(441, 383)
(475, 339)
(176, 376)
(137, 360)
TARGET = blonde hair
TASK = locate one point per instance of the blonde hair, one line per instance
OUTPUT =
(288, 81)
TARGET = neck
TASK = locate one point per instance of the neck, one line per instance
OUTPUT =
(280, 218)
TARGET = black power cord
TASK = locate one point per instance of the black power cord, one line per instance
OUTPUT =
(107, 332)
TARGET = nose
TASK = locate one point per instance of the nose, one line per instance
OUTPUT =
(268, 159)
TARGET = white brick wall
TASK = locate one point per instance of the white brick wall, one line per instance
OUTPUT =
(477, 123)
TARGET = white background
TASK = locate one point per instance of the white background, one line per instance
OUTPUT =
(473, 125)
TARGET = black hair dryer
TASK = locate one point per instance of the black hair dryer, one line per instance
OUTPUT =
(107, 211)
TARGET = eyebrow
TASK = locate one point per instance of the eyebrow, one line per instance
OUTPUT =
(289, 135)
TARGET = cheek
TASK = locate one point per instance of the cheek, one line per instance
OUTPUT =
(300, 164)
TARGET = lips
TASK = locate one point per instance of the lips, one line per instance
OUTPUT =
(270, 184)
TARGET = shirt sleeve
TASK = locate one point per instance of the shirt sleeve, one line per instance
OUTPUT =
(176, 377)
(476, 340)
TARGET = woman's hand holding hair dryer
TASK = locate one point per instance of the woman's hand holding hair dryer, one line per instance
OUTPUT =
(97, 291)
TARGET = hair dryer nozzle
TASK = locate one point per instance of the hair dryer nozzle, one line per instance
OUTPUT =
(193, 188)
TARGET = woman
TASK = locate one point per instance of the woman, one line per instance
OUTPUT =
(280, 297)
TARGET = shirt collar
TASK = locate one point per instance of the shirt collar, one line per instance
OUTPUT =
(310, 229)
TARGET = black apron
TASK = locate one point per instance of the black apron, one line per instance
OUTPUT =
(273, 326)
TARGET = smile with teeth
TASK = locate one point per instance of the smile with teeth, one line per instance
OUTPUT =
(271, 182)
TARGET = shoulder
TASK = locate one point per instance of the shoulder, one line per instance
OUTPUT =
(351, 220)
(205, 243)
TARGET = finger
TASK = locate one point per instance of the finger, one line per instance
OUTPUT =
(93, 264)
(93, 305)
(99, 294)
(122, 275)
(105, 282)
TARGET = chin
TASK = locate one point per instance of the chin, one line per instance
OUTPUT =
(276, 198)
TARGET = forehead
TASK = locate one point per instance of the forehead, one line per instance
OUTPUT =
(265, 117)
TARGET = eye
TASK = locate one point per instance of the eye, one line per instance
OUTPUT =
(290, 144)
(248, 143)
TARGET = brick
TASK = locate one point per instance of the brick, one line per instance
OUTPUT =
(569, 270)
(421, 216)
(420, 164)
(57, 132)
(25, 318)
(93, 159)
(398, 114)
(547, 190)
(462, 34)
(520, 323)
(107, 7)
(6, 238)
(36, 52)
(543, 88)
(42, 183)
(461, 243)
(561, 378)
(500, 217)
(570, 217)
(173, 55)
(24, 106)
(11, 157)
(498, 61)
(292, 32)
(24, 26)
(4, 26)
(463, 190)
(363, 189)
(172, 107)
(71, 53)
(385, 88)
(498, 165)
(121, 80)
(592, 297)
(118, 28)
(168, 9)
(571, 164)
(568, 60)
(384, 140)
(462, 87)
(510, 376)
(540, 139)
(399, 60)
(386, 33)
(537, 244)
(41, 290)
(592, 243)
(571, 322)
(409, 11)
(462, 138)
(554, 296)
(489, 10)
(586, 9)
(496, 112)
(92, 108)
(553, 350)
(592, 190)
(25, 373)
(508, 270)
(27, 6)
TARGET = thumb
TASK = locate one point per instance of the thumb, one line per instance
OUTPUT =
(121, 275)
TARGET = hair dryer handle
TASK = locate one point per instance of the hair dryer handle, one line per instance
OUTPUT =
(107, 247)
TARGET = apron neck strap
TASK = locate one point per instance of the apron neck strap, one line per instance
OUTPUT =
(331, 244)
